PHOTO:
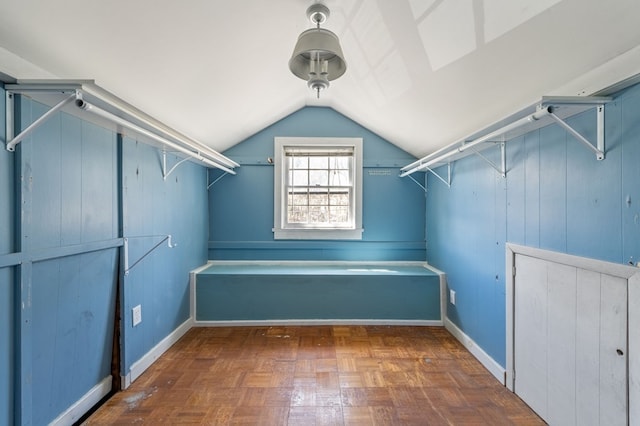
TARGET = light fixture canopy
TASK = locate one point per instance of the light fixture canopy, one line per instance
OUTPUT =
(317, 56)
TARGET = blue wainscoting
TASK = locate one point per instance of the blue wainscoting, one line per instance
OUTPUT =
(308, 291)
(556, 196)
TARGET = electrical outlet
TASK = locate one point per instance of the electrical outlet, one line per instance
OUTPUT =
(137, 315)
(452, 297)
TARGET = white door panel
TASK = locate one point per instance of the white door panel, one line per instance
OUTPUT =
(570, 334)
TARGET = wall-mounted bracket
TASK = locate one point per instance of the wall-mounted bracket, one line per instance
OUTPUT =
(503, 160)
(598, 148)
(446, 181)
(128, 268)
(105, 109)
(419, 184)
(165, 173)
(216, 180)
(12, 141)
(550, 109)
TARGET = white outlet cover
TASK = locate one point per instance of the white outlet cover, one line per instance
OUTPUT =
(452, 297)
(137, 315)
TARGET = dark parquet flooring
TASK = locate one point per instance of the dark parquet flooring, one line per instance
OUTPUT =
(316, 375)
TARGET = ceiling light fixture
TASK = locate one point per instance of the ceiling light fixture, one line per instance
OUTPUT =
(317, 57)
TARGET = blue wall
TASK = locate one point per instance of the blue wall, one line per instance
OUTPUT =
(155, 207)
(6, 278)
(556, 196)
(62, 224)
(241, 207)
(69, 200)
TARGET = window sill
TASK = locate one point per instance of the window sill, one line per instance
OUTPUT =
(317, 234)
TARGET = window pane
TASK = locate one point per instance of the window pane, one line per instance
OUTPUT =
(339, 162)
(300, 178)
(300, 162)
(339, 199)
(297, 214)
(318, 178)
(299, 199)
(318, 214)
(318, 199)
(319, 162)
(339, 178)
(339, 214)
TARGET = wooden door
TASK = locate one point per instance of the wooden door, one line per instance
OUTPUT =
(570, 343)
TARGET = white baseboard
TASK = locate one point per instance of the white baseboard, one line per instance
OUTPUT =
(302, 322)
(140, 366)
(489, 363)
(84, 404)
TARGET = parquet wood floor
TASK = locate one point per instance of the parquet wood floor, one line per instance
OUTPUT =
(316, 375)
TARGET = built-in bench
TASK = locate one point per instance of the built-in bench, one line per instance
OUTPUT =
(294, 292)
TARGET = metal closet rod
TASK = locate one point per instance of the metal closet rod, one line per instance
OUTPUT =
(213, 162)
(140, 116)
(434, 158)
(190, 147)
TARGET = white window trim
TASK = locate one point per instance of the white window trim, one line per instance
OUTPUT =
(282, 233)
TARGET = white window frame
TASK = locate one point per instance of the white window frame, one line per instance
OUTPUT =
(280, 229)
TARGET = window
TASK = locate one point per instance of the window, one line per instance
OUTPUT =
(317, 186)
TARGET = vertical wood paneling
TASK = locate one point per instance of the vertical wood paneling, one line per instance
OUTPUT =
(593, 194)
(531, 333)
(154, 207)
(561, 343)
(630, 124)
(6, 345)
(73, 308)
(634, 349)
(7, 180)
(553, 189)
(558, 197)
(498, 279)
(6, 275)
(98, 183)
(588, 322)
(43, 167)
(613, 337)
(67, 325)
(533, 169)
(582, 378)
(71, 178)
(516, 210)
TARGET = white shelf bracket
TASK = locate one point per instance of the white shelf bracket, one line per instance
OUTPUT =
(128, 268)
(600, 129)
(419, 184)
(166, 174)
(503, 160)
(598, 148)
(216, 180)
(9, 105)
(15, 140)
(446, 181)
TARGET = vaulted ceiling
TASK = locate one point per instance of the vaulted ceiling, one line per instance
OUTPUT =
(421, 73)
